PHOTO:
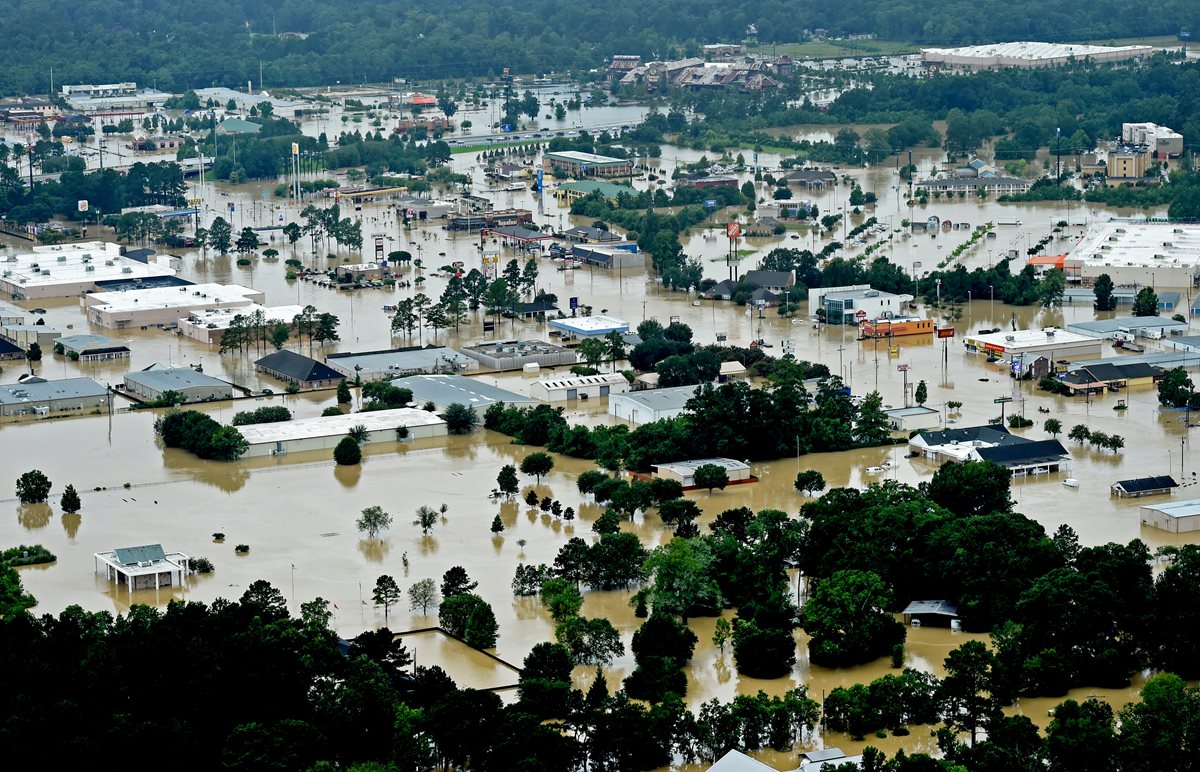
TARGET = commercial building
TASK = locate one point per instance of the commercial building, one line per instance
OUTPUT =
(210, 325)
(64, 270)
(10, 352)
(586, 234)
(143, 568)
(573, 163)
(156, 380)
(575, 387)
(92, 348)
(1144, 486)
(25, 335)
(619, 255)
(118, 98)
(305, 372)
(643, 407)
(1128, 166)
(1114, 373)
(1054, 343)
(992, 443)
(852, 304)
(1136, 254)
(811, 179)
(397, 362)
(589, 326)
(996, 56)
(472, 221)
(907, 419)
(992, 186)
(280, 108)
(11, 314)
(1153, 327)
(39, 396)
(165, 305)
(685, 471)
(1174, 517)
(446, 390)
(517, 354)
(568, 192)
(418, 208)
(325, 432)
(1160, 141)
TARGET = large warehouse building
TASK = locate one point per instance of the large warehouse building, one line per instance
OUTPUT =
(996, 56)
(1156, 254)
(165, 305)
(65, 270)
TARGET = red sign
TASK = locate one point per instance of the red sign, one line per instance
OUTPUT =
(733, 230)
(945, 332)
(902, 368)
(860, 314)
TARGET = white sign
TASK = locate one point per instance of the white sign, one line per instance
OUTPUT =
(82, 205)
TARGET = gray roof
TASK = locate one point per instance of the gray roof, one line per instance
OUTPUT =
(403, 359)
(736, 761)
(1176, 509)
(145, 554)
(769, 278)
(39, 390)
(161, 378)
(994, 433)
(942, 608)
(1142, 484)
(448, 389)
(82, 343)
(823, 755)
(297, 367)
(674, 398)
(1102, 327)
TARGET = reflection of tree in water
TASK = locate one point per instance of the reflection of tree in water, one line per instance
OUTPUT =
(508, 513)
(461, 448)
(428, 544)
(374, 550)
(227, 476)
(32, 516)
(497, 543)
(348, 476)
(71, 525)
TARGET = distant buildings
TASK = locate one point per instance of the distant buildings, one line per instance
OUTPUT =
(446, 390)
(855, 303)
(92, 348)
(1128, 166)
(1159, 141)
(993, 186)
(642, 407)
(811, 179)
(590, 326)
(112, 98)
(211, 324)
(66, 270)
(743, 74)
(568, 192)
(573, 163)
(166, 305)
(997, 56)
(1052, 342)
(325, 432)
(517, 354)
(394, 363)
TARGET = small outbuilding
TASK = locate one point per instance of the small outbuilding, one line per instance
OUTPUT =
(143, 568)
(685, 471)
(641, 407)
(908, 419)
(92, 348)
(1175, 517)
(579, 387)
(1144, 486)
(590, 326)
(156, 380)
(936, 613)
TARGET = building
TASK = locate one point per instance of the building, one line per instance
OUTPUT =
(811, 179)
(38, 396)
(896, 327)
(165, 306)
(908, 419)
(10, 352)
(210, 325)
(773, 281)
(92, 348)
(736, 761)
(143, 568)
(1144, 486)
(643, 407)
(723, 50)
(936, 613)
(1027, 457)
(568, 192)
(305, 372)
(65, 270)
(11, 314)
(586, 234)
(701, 182)
(1112, 374)
(570, 388)
(156, 380)
(446, 390)
(992, 443)
(280, 108)
(826, 760)
(398, 362)
(25, 335)
(1052, 342)
(517, 354)
(620, 64)
(112, 98)
(1153, 327)
(855, 303)
(472, 221)
(1174, 517)
(420, 209)
(1129, 166)
(996, 56)
(573, 163)
(992, 186)
(614, 255)
(238, 126)
(1160, 141)
(589, 326)
(1136, 253)
(685, 471)
(325, 432)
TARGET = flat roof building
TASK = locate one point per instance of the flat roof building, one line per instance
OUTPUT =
(92, 348)
(156, 380)
(325, 432)
(907, 419)
(642, 407)
(1175, 517)
(305, 372)
(685, 471)
(854, 303)
(1027, 54)
(25, 335)
(1153, 327)
(573, 163)
(210, 325)
(164, 306)
(1137, 254)
(143, 568)
(568, 192)
(517, 354)
(1054, 343)
(446, 390)
(397, 362)
(570, 388)
(38, 396)
(11, 314)
(65, 270)
(590, 326)
(618, 255)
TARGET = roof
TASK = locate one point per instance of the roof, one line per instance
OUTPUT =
(823, 755)
(145, 554)
(1054, 261)
(448, 389)
(331, 426)
(591, 325)
(904, 412)
(603, 379)
(575, 156)
(674, 398)
(518, 232)
(40, 390)
(1031, 51)
(1021, 338)
(770, 278)
(685, 467)
(7, 347)
(1143, 484)
(1176, 509)
(162, 378)
(995, 434)
(238, 126)
(181, 298)
(606, 189)
(1101, 327)
(297, 367)
(1025, 452)
(83, 343)
(1140, 244)
(942, 608)
(736, 761)
(811, 174)
(536, 307)
(412, 358)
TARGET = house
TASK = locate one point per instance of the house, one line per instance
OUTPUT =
(39, 396)
(615, 254)
(1175, 516)
(811, 179)
(1144, 486)
(1027, 457)
(393, 363)
(685, 471)
(91, 348)
(1095, 377)
(938, 613)
(156, 380)
(908, 419)
(519, 354)
(536, 309)
(960, 444)
(731, 371)
(643, 407)
(143, 568)
(774, 281)
(290, 367)
(567, 389)
(325, 432)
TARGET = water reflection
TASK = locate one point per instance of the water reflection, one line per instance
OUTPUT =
(374, 550)
(33, 516)
(71, 525)
(348, 475)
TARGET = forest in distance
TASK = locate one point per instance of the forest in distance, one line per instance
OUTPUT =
(175, 47)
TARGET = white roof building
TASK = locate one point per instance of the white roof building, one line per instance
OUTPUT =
(590, 326)
(64, 270)
(277, 439)
(640, 407)
(994, 56)
(1050, 342)
(143, 568)
(209, 325)
(1135, 253)
(567, 388)
(165, 305)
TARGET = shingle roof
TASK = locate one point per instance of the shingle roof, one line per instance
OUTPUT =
(297, 367)
(1023, 452)
(1141, 484)
(993, 433)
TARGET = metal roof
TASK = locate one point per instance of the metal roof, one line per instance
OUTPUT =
(736, 761)
(83, 343)
(1177, 509)
(602, 379)
(297, 367)
(145, 554)
(332, 426)
(402, 359)
(1141, 484)
(1102, 327)
(591, 325)
(1025, 452)
(674, 398)
(172, 378)
(684, 467)
(942, 608)
(43, 391)
(448, 389)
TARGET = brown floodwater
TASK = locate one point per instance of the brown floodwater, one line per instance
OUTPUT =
(297, 512)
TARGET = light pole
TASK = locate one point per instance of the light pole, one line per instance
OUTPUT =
(992, 299)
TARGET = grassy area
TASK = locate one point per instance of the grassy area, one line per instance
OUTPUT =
(837, 49)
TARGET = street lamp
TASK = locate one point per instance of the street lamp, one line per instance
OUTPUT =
(992, 299)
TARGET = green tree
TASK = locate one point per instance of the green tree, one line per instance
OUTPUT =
(1103, 290)
(965, 691)
(810, 481)
(1080, 433)
(456, 582)
(343, 393)
(508, 481)
(922, 393)
(722, 633)
(1081, 737)
(247, 240)
(386, 594)
(427, 518)
(33, 487)
(347, 452)
(871, 425)
(70, 502)
(423, 595)
(373, 520)
(537, 464)
(970, 487)
(497, 525)
(469, 617)
(1175, 389)
(220, 235)
(711, 476)
(1146, 302)
(847, 619)
(1050, 289)
(460, 418)
(590, 641)
(592, 350)
(1052, 426)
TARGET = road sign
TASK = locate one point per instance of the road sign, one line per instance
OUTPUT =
(733, 230)
(721, 337)
(82, 205)
(860, 314)
(1001, 400)
(902, 368)
(710, 203)
(489, 326)
(945, 332)
(379, 247)
(573, 303)
(230, 206)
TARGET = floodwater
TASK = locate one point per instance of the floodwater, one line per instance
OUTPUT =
(297, 512)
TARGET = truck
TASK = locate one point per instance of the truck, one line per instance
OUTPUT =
(1124, 339)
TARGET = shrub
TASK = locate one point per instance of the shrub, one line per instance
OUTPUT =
(199, 433)
(331, 411)
(263, 415)
(23, 555)
(218, 536)
(70, 502)
(347, 452)
(460, 418)
(201, 565)
(242, 549)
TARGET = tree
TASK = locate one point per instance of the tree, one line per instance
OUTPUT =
(1081, 434)
(373, 520)
(347, 452)
(343, 393)
(871, 425)
(616, 347)
(1146, 302)
(1081, 736)
(537, 464)
(1052, 426)
(247, 240)
(469, 617)
(1115, 443)
(386, 593)
(722, 633)
(965, 689)
(810, 481)
(220, 235)
(427, 517)
(1103, 290)
(33, 487)
(590, 641)
(1175, 389)
(70, 502)
(497, 525)
(562, 598)
(1050, 289)
(922, 393)
(592, 350)
(422, 595)
(507, 480)
(460, 418)
(988, 484)
(711, 476)
(34, 353)
(456, 582)
(847, 619)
